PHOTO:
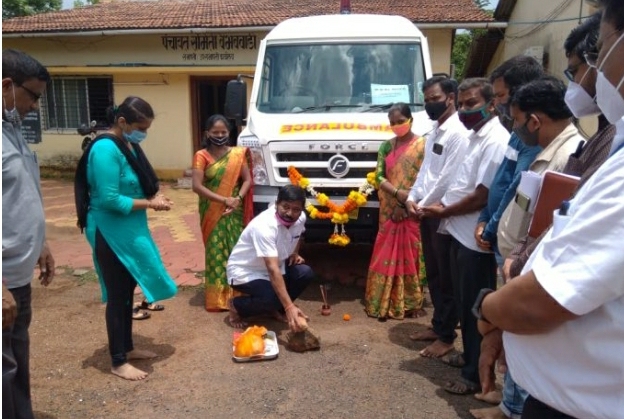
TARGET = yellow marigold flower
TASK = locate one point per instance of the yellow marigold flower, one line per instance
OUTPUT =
(322, 199)
(304, 182)
(371, 179)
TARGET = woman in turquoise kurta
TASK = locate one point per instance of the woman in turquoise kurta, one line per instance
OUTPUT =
(121, 186)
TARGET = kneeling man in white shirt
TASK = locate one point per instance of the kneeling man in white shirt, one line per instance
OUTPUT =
(265, 264)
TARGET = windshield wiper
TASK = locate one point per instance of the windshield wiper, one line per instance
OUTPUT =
(326, 107)
(386, 106)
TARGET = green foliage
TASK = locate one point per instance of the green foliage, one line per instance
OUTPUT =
(482, 4)
(459, 53)
(14, 8)
(83, 3)
(463, 41)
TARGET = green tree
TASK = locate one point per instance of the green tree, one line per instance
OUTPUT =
(14, 8)
(459, 53)
(83, 3)
(463, 41)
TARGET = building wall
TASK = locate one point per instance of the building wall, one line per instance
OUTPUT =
(158, 68)
(520, 37)
(168, 145)
(440, 44)
(141, 65)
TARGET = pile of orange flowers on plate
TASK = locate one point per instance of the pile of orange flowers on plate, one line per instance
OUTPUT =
(337, 214)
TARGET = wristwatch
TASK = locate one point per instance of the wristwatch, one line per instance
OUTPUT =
(476, 308)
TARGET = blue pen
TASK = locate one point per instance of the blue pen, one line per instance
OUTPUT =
(563, 209)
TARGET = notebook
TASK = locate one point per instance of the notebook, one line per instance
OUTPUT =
(556, 188)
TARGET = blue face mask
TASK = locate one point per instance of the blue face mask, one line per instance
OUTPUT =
(135, 136)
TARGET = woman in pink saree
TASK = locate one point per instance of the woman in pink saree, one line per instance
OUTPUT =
(395, 273)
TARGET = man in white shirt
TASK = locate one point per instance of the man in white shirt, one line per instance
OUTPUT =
(265, 264)
(445, 148)
(562, 317)
(472, 268)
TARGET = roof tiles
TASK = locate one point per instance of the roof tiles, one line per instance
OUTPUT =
(181, 14)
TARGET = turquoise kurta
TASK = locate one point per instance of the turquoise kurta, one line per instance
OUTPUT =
(113, 185)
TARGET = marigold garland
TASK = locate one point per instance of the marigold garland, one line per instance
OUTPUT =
(337, 214)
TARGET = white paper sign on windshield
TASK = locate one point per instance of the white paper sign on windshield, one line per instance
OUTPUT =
(389, 93)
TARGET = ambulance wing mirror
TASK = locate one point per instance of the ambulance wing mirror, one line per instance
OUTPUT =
(236, 101)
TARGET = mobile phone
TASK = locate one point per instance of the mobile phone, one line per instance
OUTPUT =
(437, 148)
(523, 201)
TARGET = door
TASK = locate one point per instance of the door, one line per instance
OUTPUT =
(208, 98)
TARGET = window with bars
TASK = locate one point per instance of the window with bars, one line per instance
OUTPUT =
(69, 102)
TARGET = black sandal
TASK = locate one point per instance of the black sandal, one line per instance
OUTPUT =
(455, 360)
(137, 314)
(462, 387)
(144, 305)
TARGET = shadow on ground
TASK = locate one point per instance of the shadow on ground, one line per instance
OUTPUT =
(100, 359)
(434, 370)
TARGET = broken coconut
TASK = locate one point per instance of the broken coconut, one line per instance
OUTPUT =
(306, 340)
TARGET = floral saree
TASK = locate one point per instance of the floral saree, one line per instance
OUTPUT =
(396, 271)
(221, 232)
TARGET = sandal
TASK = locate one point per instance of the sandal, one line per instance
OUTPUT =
(462, 387)
(137, 314)
(144, 305)
(455, 360)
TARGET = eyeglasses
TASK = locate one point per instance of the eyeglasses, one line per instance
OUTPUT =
(570, 72)
(35, 96)
(591, 58)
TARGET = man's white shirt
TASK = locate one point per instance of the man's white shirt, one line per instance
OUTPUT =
(263, 237)
(485, 152)
(578, 368)
(445, 147)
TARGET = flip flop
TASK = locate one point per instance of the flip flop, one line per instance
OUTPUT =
(144, 305)
(462, 387)
(137, 314)
(455, 360)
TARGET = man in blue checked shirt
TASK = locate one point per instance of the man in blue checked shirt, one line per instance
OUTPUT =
(506, 79)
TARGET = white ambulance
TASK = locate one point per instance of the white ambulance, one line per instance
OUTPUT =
(319, 102)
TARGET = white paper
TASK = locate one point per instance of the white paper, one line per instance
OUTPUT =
(530, 184)
(389, 93)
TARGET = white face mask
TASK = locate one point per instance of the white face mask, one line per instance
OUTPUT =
(11, 115)
(579, 101)
(609, 99)
(618, 139)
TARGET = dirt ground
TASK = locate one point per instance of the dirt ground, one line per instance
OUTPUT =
(364, 369)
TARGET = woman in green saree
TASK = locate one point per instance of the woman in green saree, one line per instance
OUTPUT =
(222, 179)
(395, 273)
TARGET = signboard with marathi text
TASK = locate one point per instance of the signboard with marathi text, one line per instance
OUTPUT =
(210, 48)
(198, 49)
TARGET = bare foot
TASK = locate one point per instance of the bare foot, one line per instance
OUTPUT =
(424, 335)
(233, 318)
(488, 413)
(140, 354)
(436, 349)
(493, 397)
(129, 372)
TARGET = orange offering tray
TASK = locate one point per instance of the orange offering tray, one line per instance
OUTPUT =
(271, 350)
